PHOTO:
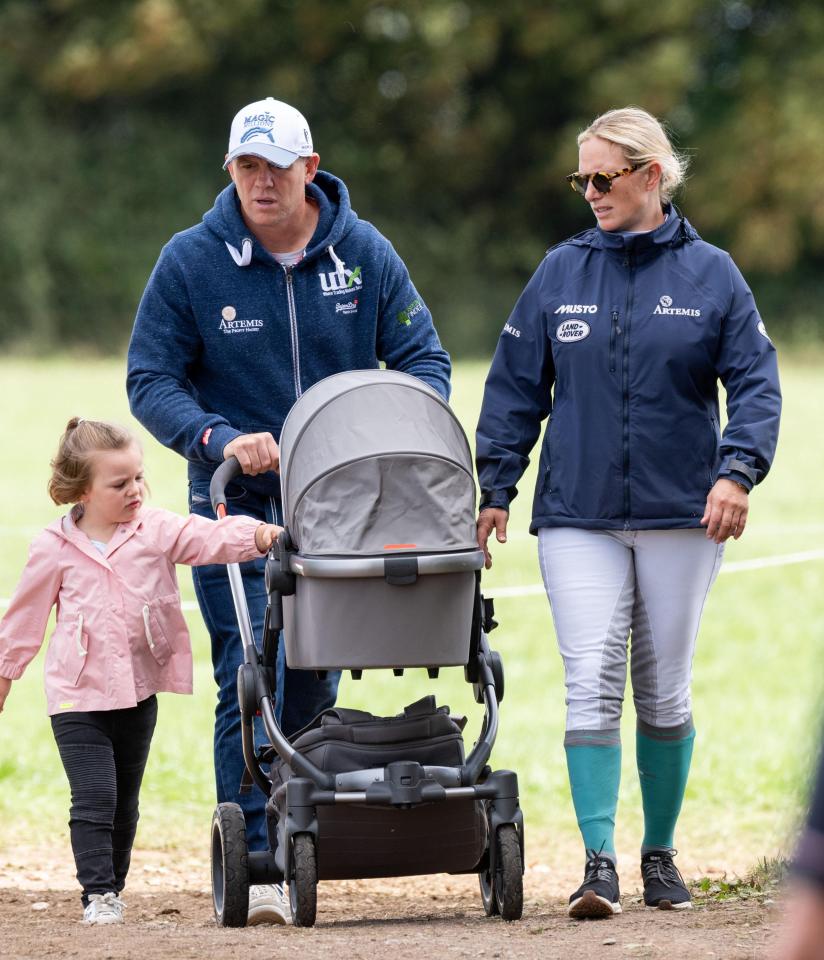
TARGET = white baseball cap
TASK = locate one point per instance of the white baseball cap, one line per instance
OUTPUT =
(272, 130)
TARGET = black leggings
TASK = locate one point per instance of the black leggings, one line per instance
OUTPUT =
(104, 753)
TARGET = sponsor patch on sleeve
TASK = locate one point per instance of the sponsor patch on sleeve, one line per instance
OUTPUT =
(405, 316)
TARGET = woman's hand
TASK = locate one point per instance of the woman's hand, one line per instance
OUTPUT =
(5, 686)
(489, 519)
(725, 516)
(265, 536)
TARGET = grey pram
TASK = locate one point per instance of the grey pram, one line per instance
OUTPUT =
(377, 568)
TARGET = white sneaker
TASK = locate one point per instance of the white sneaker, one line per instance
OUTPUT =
(268, 903)
(104, 908)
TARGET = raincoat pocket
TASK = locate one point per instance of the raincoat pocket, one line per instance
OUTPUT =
(160, 626)
(68, 651)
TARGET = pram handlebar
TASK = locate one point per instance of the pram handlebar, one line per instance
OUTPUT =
(355, 567)
(225, 473)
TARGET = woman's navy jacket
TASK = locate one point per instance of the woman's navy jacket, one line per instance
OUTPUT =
(621, 340)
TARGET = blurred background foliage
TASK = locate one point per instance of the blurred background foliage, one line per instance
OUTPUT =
(452, 122)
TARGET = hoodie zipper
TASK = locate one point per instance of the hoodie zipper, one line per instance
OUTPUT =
(293, 329)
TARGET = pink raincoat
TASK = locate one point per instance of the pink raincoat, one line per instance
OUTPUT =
(120, 635)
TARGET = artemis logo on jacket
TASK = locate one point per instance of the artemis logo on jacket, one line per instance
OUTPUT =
(230, 324)
(664, 305)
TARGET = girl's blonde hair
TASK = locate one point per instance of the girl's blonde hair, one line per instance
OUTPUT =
(72, 467)
(643, 139)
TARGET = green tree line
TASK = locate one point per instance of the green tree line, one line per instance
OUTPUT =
(452, 122)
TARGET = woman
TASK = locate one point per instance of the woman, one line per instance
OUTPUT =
(621, 337)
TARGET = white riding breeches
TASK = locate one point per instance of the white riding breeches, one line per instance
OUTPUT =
(607, 585)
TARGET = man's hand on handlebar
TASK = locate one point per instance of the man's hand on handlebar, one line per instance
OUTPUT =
(256, 453)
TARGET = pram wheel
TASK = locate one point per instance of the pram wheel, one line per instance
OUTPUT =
(230, 866)
(488, 893)
(303, 888)
(504, 893)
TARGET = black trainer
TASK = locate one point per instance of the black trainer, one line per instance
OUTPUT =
(664, 887)
(598, 896)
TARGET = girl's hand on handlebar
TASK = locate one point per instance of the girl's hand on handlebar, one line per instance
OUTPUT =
(5, 686)
(265, 536)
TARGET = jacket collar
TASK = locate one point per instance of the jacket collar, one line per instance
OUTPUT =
(66, 528)
(673, 232)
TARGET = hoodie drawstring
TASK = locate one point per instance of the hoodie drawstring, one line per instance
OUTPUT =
(241, 259)
(245, 258)
(339, 264)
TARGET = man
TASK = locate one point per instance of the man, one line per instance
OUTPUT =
(278, 287)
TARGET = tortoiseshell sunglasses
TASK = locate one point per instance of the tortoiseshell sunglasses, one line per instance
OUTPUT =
(600, 180)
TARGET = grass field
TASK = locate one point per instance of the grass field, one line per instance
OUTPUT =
(757, 672)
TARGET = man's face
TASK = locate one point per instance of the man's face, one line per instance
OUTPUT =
(270, 196)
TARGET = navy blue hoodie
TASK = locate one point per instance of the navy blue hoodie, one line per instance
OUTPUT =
(226, 339)
(621, 340)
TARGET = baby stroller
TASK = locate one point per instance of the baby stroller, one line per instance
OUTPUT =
(377, 568)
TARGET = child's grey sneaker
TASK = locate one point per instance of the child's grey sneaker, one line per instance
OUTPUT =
(268, 903)
(103, 908)
(664, 887)
(598, 897)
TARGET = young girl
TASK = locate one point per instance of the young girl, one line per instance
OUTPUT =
(119, 639)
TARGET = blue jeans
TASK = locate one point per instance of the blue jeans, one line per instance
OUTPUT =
(299, 695)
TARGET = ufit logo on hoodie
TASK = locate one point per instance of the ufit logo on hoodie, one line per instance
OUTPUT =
(337, 282)
(229, 322)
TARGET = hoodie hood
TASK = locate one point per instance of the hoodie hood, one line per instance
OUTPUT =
(336, 218)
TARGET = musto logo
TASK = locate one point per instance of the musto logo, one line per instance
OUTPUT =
(571, 331)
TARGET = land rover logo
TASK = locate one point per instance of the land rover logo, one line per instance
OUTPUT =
(571, 331)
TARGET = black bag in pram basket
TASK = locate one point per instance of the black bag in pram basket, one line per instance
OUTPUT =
(365, 841)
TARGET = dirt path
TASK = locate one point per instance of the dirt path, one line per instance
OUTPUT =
(169, 914)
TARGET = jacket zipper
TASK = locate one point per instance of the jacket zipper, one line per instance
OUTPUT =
(293, 329)
(629, 262)
(614, 331)
(714, 431)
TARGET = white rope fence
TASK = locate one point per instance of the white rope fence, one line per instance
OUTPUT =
(536, 589)
(735, 566)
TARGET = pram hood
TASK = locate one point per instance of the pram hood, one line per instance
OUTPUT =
(375, 461)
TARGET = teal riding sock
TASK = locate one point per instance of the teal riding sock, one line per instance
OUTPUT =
(663, 755)
(594, 776)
